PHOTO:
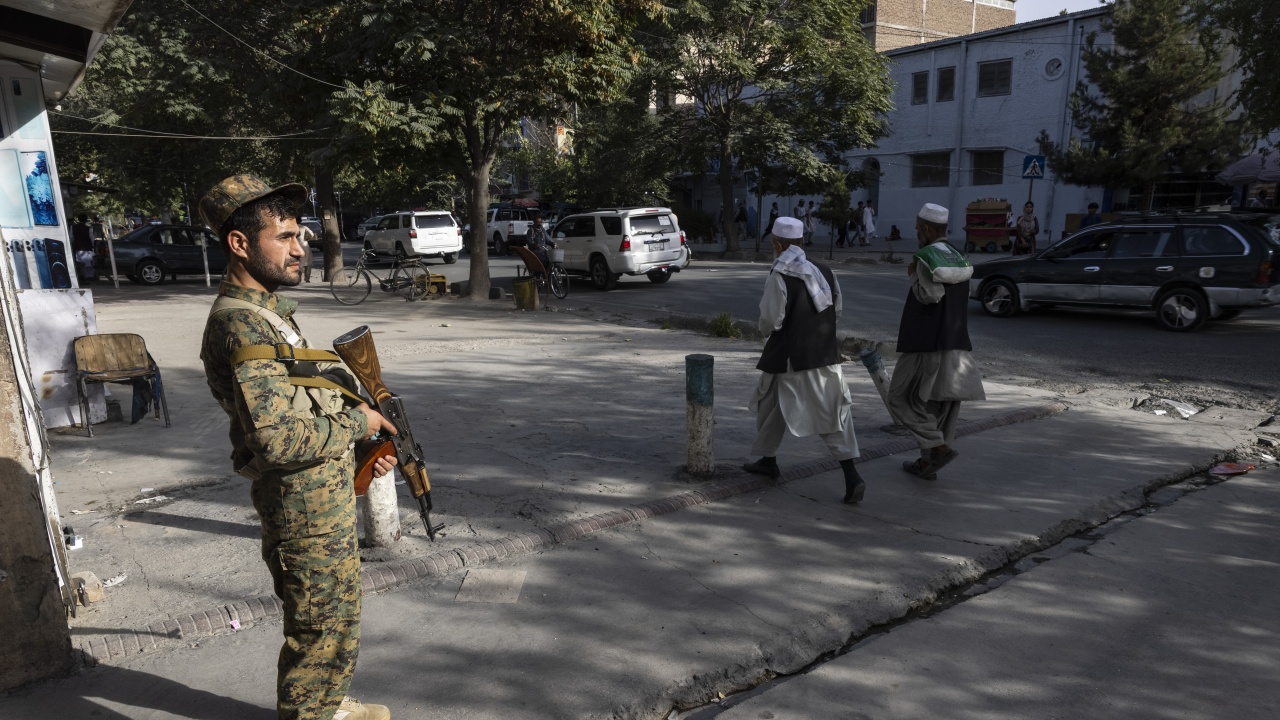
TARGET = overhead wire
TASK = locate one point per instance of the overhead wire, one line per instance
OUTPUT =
(163, 133)
(233, 36)
(187, 137)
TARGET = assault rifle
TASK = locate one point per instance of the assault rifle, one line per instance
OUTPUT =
(357, 351)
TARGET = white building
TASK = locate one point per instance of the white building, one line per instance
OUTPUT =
(967, 112)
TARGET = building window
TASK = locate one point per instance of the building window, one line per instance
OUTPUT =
(919, 88)
(868, 15)
(931, 170)
(988, 167)
(995, 78)
(946, 84)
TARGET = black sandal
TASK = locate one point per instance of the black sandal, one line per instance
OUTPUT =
(921, 469)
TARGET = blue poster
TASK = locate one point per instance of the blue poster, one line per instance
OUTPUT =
(35, 168)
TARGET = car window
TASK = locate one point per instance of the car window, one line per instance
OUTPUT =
(1082, 247)
(585, 227)
(1270, 227)
(389, 222)
(1201, 240)
(1137, 243)
(564, 227)
(427, 222)
(503, 216)
(651, 224)
(171, 236)
(612, 225)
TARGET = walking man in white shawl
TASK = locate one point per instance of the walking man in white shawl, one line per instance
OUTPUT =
(935, 369)
(801, 385)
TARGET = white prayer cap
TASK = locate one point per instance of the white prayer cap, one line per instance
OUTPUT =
(934, 214)
(788, 227)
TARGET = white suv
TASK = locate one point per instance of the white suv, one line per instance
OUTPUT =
(431, 233)
(607, 244)
(508, 226)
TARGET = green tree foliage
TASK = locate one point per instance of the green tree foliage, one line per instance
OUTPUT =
(1147, 108)
(456, 76)
(1252, 26)
(790, 85)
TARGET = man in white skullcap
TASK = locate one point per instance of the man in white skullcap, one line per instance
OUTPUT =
(801, 386)
(935, 369)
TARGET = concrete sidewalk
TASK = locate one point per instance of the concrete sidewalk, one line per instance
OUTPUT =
(1171, 615)
(535, 418)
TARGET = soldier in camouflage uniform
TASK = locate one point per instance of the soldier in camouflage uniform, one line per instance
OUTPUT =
(298, 452)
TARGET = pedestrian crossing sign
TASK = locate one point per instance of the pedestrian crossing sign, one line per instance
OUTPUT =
(1033, 167)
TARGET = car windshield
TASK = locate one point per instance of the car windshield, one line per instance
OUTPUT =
(427, 222)
(1269, 225)
(651, 224)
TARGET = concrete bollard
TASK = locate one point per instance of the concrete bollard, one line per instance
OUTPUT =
(382, 511)
(700, 416)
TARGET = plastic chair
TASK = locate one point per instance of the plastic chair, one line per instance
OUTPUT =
(120, 357)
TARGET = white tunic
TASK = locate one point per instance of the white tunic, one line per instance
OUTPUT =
(813, 402)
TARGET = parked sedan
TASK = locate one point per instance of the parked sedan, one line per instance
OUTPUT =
(1187, 268)
(152, 253)
(363, 228)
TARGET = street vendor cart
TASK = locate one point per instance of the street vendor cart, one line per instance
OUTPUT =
(986, 225)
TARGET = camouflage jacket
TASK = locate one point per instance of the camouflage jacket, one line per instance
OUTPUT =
(307, 462)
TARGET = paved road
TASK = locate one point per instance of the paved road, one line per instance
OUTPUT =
(1060, 344)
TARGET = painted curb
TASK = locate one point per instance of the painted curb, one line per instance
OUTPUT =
(385, 576)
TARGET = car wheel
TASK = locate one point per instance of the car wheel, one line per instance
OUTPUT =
(1181, 310)
(601, 278)
(657, 277)
(970, 247)
(150, 272)
(1000, 298)
(400, 253)
(450, 258)
(991, 247)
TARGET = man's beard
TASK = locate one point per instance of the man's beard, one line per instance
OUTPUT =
(270, 275)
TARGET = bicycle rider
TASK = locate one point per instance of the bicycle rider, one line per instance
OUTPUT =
(538, 242)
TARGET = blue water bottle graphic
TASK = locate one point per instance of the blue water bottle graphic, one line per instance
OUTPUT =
(20, 263)
(42, 263)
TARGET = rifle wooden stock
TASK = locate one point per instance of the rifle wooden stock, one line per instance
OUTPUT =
(357, 351)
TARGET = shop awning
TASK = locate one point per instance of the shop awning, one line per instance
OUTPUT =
(58, 36)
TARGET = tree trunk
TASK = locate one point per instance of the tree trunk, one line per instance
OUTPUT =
(479, 283)
(331, 243)
(726, 196)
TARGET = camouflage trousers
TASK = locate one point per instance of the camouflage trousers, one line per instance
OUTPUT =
(318, 581)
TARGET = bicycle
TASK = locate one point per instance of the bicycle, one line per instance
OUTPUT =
(408, 278)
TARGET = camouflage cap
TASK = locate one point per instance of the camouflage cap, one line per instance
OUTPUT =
(229, 195)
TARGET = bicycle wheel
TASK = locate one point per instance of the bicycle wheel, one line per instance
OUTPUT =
(411, 281)
(350, 286)
(559, 282)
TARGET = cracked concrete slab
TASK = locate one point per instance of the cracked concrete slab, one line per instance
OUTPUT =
(1172, 616)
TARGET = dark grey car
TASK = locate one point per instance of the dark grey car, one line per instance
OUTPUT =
(152, 253)
(1188, 268)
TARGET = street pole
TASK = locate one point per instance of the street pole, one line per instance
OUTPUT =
(111, 253)
(699, 392)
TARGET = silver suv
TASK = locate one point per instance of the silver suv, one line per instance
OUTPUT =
(609, 243)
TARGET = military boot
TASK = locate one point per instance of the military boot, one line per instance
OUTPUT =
(352, 709)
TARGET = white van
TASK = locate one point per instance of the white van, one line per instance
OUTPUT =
(432, 233)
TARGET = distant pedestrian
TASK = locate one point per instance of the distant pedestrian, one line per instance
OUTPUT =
(842, 232)
(740, 219)
(773, 217)
(1092, 218)
(809, 220)
(869, 222)
(935, 369)
(1260, 200)
(799, 213)
(859, 230)
(1025, 230)
(306, 236)
(802, 388)
(82, 250)
(894, 234)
